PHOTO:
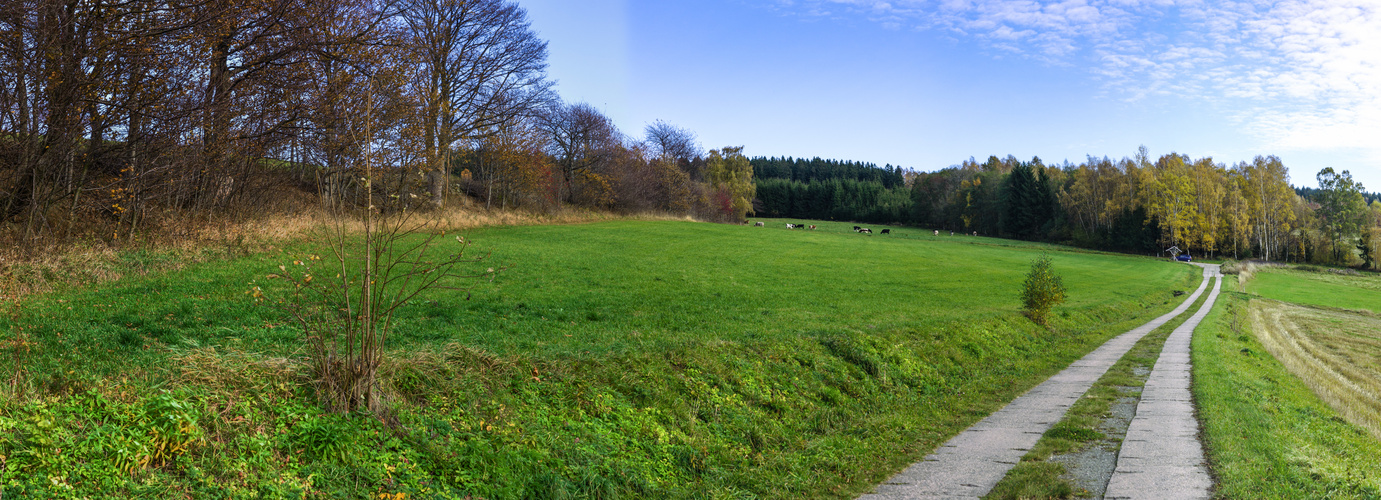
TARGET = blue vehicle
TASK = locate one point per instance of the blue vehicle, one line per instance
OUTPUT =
(1184, 257)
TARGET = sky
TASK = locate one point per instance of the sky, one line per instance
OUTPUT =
(926, 84)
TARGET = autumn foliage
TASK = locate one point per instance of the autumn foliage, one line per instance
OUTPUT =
(119, 118)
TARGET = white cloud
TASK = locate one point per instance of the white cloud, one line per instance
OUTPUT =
(1302, 74)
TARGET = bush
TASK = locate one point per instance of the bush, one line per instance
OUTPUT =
(1041, 290)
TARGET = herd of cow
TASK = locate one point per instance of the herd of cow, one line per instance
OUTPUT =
(857, 229)
(864, 230)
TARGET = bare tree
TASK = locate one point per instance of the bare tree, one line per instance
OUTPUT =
(668, 141)
(480, 66)
(583, 141)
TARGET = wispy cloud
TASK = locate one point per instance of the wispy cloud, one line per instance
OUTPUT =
(1301, 74)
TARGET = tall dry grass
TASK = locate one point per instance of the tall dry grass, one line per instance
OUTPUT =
(1335, 353)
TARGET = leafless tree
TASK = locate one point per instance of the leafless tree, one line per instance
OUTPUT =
(583, 141)
(480, 66)
(669, 141)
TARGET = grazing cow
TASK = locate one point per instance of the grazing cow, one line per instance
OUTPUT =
(758, 224)
(937, 231)
(812, 227)
(790, 226)
(865, 230)
(856, 228)
(886, 231)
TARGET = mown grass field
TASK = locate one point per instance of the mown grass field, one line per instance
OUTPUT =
(617, 359)
(1287, 393)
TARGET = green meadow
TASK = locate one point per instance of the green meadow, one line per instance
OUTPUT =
(622, 359)
(1319, 288)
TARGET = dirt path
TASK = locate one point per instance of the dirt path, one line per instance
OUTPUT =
(968, 465)
(1162, 456)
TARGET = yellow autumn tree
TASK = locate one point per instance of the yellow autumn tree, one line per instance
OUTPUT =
(731, 177)
(1270, 203)
(1169, 196)
(1209, 189)
(1237, 226)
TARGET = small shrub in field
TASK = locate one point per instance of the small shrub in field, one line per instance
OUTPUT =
(1041, 290)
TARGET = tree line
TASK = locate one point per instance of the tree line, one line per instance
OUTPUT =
(114, 115)
(830, 189)
(1243, 210)
(1137, 204)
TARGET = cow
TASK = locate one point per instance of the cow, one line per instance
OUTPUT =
(886, 231)
(758, 224)
(812, 227)
(865, 230)
(856, 228)
(937, 231)
(790, 226)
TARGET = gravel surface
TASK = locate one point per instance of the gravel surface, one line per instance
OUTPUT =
(1091, 468)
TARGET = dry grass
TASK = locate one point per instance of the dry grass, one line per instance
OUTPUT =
(1335, 353)
(231, 372)
(179, 241)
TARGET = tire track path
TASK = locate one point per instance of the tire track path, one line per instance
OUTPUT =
(969, 464)
(1162, 456)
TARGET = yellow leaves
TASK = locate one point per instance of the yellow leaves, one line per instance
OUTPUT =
(256, 293)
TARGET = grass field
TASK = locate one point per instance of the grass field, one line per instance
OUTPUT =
(617, 359)
(1260, 369)
(1337, 354)
(1318, 288)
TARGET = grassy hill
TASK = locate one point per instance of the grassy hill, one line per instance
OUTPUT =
(615, 359)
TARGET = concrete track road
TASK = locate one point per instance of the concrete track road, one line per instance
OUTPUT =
(971, 463)
(1162, 456)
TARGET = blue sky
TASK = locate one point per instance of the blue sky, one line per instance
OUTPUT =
(928, 83)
